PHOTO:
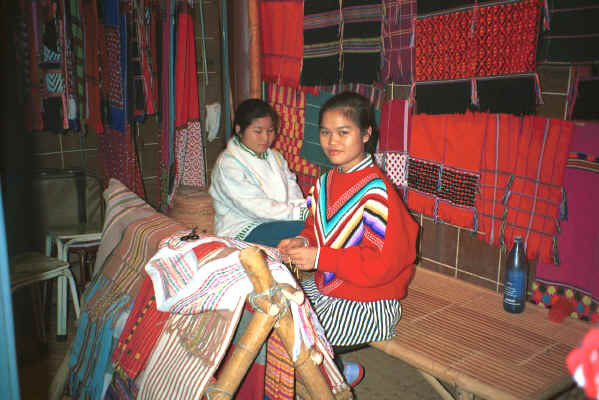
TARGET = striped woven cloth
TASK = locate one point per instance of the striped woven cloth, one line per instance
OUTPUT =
(398, 41)
(132, 237)
(341, 42)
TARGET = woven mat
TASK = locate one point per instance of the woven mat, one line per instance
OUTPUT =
(460, 334)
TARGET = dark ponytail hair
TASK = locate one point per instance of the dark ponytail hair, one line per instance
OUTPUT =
(357, 108)
(248, 110)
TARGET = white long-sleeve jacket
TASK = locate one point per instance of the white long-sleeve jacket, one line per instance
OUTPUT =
(249, 190)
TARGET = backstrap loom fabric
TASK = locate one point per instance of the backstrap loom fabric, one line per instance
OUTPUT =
(399, 20)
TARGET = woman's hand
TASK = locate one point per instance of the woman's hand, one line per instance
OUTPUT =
(303, 257)
(287, 244)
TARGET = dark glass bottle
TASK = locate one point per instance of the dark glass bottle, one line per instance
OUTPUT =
(516, 277)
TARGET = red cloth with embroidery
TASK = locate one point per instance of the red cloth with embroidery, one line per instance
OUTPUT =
(443, 166)
(94, 43)
(282, 37)
(482, 41)
(522, 171)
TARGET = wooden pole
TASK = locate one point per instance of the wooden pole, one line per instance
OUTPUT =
(255, 51)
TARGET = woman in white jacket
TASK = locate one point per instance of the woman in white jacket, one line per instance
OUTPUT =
(256, 196)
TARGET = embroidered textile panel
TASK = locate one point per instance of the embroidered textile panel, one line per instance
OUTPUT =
(483, 41)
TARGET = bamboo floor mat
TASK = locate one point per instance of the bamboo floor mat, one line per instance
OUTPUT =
(459, 333)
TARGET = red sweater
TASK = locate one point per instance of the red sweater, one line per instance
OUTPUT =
(366, 236)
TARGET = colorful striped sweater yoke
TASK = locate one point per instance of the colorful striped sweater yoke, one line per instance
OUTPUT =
(366, 236)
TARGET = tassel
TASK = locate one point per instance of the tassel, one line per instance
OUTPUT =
(474, 93)
(435, 210)
(502, 236)
(558, 225)
(563, 208)
(556, 259)
(475, 223)
(474, 13)
(538, 89)
(413, 33)
(546, 17)
(507, 189)
(405, 194)
(439, 180)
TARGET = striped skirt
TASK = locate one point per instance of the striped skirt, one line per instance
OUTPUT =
(348, 322)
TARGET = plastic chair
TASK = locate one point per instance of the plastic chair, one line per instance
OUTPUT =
(30, 268)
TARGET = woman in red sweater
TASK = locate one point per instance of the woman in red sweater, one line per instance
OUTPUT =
(359, 237)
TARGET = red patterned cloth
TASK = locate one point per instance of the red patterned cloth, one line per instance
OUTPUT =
(394, 136)
(522, 170)
(290, 104)
(142, 329)
(93, 35)
(443, 168)
(282, 36)
(482, 41)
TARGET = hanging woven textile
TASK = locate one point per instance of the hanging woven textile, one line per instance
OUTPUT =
(282, 40)
(311, 149)
(77, 60)
(443, 167)
(189, 148)
(290, 104)
(399, 21)
(522, 169)
(576, 278)
(481, 41)
(342, 41)
(570, 33)
(394, 136)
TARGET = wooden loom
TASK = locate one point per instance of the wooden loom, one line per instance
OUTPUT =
(271, 312)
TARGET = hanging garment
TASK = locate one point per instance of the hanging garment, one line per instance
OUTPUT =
(571, 33)
(522, 169)
(282, 39)
(443, 168)
(33, 105)
(392, 151)
(342, 42)
(399, 20)
(165, 114)
(481, 41)
(576, 278)
(189, 148)
(114, 66)
(75, 19)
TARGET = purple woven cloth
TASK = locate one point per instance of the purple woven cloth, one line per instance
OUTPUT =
(578, 242)
(398, 47)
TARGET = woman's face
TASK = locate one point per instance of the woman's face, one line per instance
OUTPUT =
(341, 139)
(259, 135)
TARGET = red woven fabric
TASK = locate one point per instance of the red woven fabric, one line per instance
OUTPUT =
(522, 170)
(394, 134)
(482, 41)
(282, 36)
(187, 102)
(443, 166)
(141, 331)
